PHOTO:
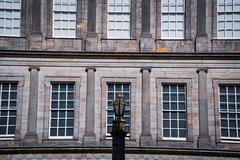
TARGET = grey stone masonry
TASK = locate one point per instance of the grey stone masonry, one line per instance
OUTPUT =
(91, 27)
(204, 138)
(31, 135)
(146, 138)
(89, 136)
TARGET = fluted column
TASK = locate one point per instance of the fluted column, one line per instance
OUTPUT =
(31, 135)
(89, 137)
(146, 138)
(204, 138)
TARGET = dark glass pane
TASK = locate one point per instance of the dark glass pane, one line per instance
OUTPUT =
(61, 131)
(166, 124)
(12, 120)
(13, 95)
(174, 124)
(61, 114)
(231, 107)
(238, 123)
(127, 119)
(109, 120)
(62, 104)
(5, 86)
(109, 129)
(54, 95)
(174, 133)
(166, 133)
(181, 106)
(54, 87)
(181, 88)
(70, 104)
(223, 115)
(70, 114)
(174, 106)
(53, 123)
(232, 123)
(232, 115)
(174, 115)
(223, 106)
(173, 88)
(127, 112)
(69, 131)
(62, 87)
(238, 107)
(70, 87)
(110, 96)
(4, 104)
(110, 104)
(110, 87)
(222, 89)
(70, 122)
(182, 115)
(182, 124)
(61, 122)
(14, 86)
(238, 89)
(224, 132)
(70, 96)
(165, 97)
(3, 120)
(4, 113)
(53, 132)
(126, 96)
(181, 97)
(12, 113)
(13, 104)
(165, 106)
(126, 87)
(231, 98)
(127, 129)
(54, 104)
(110, 112)
(174, 97)
(63, 96)
(233, 133)
(224, 123)
(231, 90)
(3, 130)
(165, 88)
(238, 98)
(165, 115)
(118, 87)
(223, 98)
(11, 130)
(5, 95)
(182, 133)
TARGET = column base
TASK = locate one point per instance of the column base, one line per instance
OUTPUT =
(30, 139)
(89, 139)
(204, 142)
(146, 140)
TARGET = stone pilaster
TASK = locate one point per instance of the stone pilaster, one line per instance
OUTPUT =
(204, 140)
(31, 135)
(89, 136)
(146, 137)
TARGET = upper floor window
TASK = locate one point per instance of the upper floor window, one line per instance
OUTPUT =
(174, 111)
(118, 24)
(8, 109)
(229, 107)
(228, 19)
(62, 111)
(172, 19)
(112, 89)
(10, 17)
(64, 18)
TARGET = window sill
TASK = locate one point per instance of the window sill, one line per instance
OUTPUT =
(172, 39)
(13, 37)
(64, 38)
(225, 39)
(115, 39)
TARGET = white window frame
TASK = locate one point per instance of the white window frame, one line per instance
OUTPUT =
(232, 13)
(126, 109)
(66, 12)
(177, 111)
(64, 109)
(12, 11)
(9, 91)
(175, 13)
(118, 13)
(227, 112)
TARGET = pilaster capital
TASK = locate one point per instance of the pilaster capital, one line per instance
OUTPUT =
(145, 68)
(33, 67)
(202, 69)
(90, 68)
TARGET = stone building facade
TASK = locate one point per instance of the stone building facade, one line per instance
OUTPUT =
(182, 82)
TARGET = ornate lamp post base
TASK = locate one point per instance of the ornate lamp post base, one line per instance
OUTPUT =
(118, 143)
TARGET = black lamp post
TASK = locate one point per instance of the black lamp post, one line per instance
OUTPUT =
(118, 133)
